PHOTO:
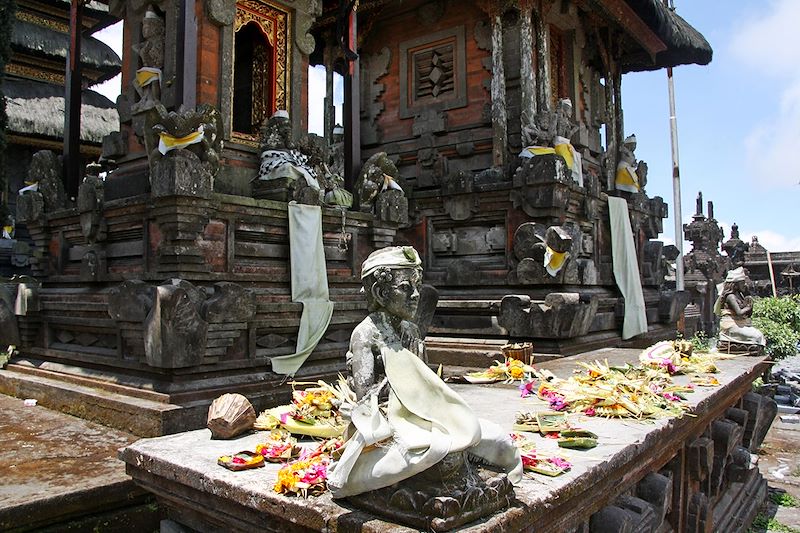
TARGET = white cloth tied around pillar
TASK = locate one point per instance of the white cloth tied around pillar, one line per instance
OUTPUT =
(309, 284)
(626, 268)
(423, 422)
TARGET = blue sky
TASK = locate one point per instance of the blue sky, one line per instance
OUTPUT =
(738, 118)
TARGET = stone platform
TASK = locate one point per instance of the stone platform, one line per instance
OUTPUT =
(60, 473)
(689, 474)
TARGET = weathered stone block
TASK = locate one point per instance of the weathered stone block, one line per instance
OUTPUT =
(47, 170)
(700, 458)
(9, 329)
(392, 206)
(174, 332)
(221, 12)
(130, 301)
(561, 315)
(229, 303)
(611, 519)
(656, 489)
(30, 207)
(115, 145)
(181, 173)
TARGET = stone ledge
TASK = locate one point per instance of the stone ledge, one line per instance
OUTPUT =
(180, 467)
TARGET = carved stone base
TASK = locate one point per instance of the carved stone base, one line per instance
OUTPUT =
(740, 348)
(448, 495)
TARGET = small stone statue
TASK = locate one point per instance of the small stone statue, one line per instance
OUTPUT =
(551, 134)
(378, 191)
(196, 130)
(409, 455)
(285, 163)
(151, 51)
(631, 175)
(734, 307)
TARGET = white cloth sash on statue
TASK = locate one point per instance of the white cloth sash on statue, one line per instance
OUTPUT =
(425, 419)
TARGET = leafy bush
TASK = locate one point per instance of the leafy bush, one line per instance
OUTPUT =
(779, 321)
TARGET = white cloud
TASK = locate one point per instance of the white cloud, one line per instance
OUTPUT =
(768, 44)
(773, 241)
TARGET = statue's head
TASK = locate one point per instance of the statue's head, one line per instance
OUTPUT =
(152, 24)
(391, 278)
(565, 105)
(736, 281)
(279, 131)
(630, 142)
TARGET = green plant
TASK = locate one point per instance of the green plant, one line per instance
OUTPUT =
(779, 321)
(762, 523)
(784, 499)
(701, 342)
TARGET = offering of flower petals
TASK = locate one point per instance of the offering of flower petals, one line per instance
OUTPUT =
(241, 461)
(534, 460)
(280, 446)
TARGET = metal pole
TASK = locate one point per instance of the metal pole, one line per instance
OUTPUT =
(676, 183)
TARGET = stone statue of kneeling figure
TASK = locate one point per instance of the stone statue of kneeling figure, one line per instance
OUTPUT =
(734, 307)
(415, 444)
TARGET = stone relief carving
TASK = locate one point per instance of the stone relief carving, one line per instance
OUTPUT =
(373, 68)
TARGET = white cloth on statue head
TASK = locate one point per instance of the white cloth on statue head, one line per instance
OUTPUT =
(291, 164)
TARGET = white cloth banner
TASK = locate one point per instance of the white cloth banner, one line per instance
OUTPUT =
(309, 284)
(626, 268)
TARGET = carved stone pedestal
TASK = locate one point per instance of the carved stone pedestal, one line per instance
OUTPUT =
(447, 495)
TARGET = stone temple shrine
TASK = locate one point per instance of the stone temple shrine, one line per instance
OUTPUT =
(216, 246)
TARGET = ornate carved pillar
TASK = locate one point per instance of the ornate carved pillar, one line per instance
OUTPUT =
(499, 113)
(527, 75)
(542, 59)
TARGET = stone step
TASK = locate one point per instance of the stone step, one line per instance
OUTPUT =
(135, 415)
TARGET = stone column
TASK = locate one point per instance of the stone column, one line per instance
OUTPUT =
(499, 113)
(543, 60)
(330, 109)
(527, 75)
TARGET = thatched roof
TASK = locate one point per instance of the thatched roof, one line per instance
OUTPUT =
(685, 45)
(39, 41)
(37, 109)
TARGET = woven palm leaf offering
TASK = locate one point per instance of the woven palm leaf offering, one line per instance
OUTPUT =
(241, 461)
(616, 392)
(678, 357)
(538, 461)
(508, 372)
(314, 411)
(280, 446)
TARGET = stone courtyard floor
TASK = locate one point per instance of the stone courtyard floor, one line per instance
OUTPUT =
(54, 468)
(779, 462)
